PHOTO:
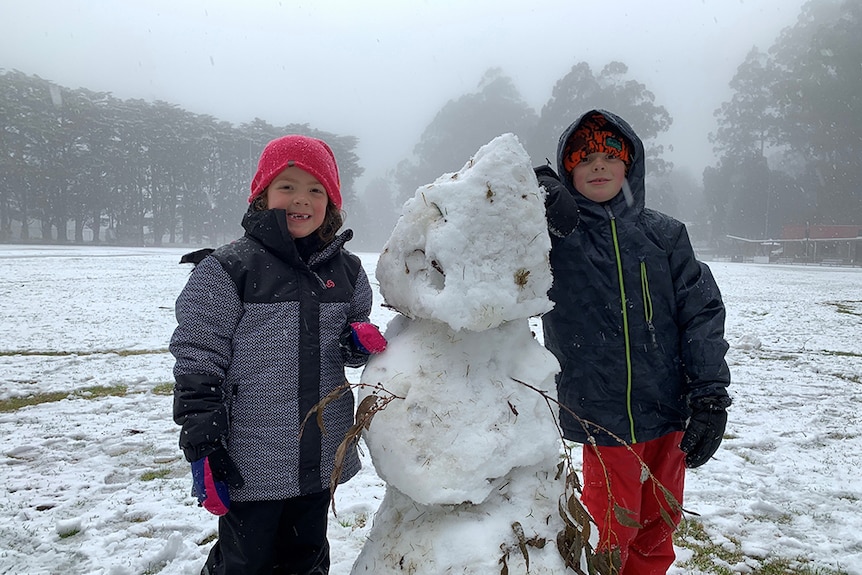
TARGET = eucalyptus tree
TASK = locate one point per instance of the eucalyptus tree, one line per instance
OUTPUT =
(789, 138)
(819, 94)
(145, 172)
(462, 126)
(90, 183)
(128, 203)
(168, 133)
(17, 165)
(45, 139)
(611, 89)
(46, 151)
(212, 160)
(747, 131)
(349, 165)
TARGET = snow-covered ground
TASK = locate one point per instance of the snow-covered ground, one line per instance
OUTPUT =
(95, 483)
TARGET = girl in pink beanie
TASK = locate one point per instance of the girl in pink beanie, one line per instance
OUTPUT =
(265, 328)
(289, 165)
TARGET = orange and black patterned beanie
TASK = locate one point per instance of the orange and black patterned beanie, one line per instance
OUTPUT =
(595, 135)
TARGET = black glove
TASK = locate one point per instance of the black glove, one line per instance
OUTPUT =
(548, 179)
(561, 210)
(545, 171)
(705, 430)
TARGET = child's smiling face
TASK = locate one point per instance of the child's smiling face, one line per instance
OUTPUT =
(599, 177)
(302, 197)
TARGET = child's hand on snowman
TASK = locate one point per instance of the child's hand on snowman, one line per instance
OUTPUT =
(367, 338)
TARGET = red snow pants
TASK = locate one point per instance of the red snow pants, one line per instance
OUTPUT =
(613, 475)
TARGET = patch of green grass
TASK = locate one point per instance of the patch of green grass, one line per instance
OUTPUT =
(208, 539)
(848, 307)
(127, 352)
(785, 357)
(36, 399)
(154, 568)
(67, 534)
(747, 457)
(843, 353)
(792, 567)
(19, 402)
(357, 521)
(709, 557)
(691, 535)
(155, 474)
(100, 391)
(120, 352)
(847, 377)
(164, 389)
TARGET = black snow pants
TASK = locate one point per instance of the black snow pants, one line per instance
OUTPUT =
(286, 537)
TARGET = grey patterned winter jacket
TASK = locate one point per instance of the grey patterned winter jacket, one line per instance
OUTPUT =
(260, 341)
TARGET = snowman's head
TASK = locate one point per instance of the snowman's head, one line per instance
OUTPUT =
(471, 249)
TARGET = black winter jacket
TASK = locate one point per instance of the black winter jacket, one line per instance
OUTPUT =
(259, 342)
(638, 321)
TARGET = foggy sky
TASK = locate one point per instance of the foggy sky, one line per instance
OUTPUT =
(381, 69)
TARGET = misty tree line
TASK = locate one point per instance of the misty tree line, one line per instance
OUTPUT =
(787, 148)
(128, 171)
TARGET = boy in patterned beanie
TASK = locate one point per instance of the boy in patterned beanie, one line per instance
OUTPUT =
(638, 329)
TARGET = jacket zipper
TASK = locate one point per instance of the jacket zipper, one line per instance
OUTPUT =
(647, 303)
(625, 316)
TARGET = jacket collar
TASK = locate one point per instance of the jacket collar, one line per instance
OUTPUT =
(269, 227)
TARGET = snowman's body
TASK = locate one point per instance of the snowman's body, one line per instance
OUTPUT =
(470, 449)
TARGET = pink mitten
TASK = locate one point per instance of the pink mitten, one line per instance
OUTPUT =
(367, 337)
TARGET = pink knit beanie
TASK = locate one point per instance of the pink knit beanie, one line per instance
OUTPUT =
(310, 154)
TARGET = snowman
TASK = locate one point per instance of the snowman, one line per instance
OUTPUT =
(468, 442)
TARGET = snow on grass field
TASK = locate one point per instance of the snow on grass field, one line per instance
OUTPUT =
(93, 481)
